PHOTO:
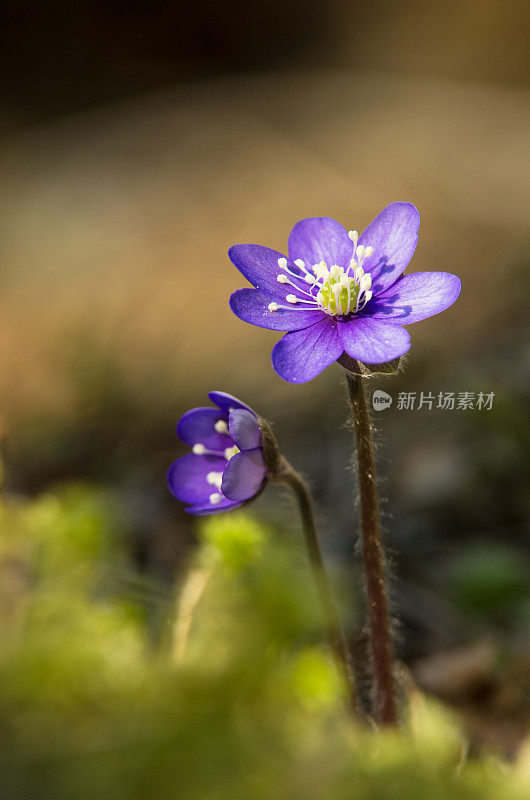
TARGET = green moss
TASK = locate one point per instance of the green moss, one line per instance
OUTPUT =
(248, 706)
(234, 538)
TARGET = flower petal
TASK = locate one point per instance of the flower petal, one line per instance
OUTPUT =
(197, 427)
(259, 265)
(244, 474)
(202, 509)
(415, 297)
(372, 341)
(301, 355)
(244, 429)
(251, 305)
(227, 402)
(393, 235)
(320, 239)
(186, 477)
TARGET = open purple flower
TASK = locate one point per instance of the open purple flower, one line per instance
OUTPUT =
(226, 466)
(337, 292)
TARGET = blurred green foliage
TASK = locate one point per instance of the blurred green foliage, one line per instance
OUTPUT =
(242, 701)
(490, 580)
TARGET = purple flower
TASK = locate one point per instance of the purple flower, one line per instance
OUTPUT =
(226, 466)
(337, 292)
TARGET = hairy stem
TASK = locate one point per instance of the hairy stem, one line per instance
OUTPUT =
(294, 480)
(380, 630)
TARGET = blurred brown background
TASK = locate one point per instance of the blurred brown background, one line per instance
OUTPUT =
(139, 142)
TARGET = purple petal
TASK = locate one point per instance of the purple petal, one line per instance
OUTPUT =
(244, 429)
(197, 427)
(320, 239)
(227, 402)
(393, 235)
(259, 265)
(301, 355)
(244, 474)
(372, 341)
(251, 305)
(202, 509)
(186, 477)
(415, 297)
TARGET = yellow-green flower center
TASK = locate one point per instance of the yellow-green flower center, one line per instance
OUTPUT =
(334, 290)
(339, 293)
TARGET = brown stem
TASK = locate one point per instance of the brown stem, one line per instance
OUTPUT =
(380, 629)
(294, 480)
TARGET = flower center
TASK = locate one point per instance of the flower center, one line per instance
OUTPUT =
(214, 478)
(333, 290)
(230, 452)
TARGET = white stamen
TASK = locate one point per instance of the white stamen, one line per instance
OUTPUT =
(285, 279)
(221, 426)
(294, 309)
(362, 252)
(309, 302)
(354, 236)
(215, 498)
(215, 479)
(230, 452)
(335, 290)
(198, 449)
(320, 269)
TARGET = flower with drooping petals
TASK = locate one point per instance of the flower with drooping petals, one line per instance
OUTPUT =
(226, 466)
(337, 292)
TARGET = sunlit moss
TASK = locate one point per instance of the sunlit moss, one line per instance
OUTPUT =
(314, 679)
(250, 706)
(235, 538)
